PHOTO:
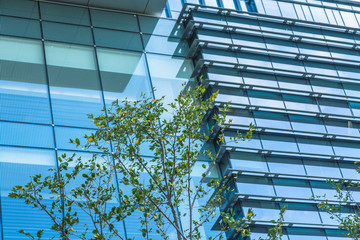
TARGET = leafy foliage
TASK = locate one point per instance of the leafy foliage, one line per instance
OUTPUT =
(348, 221)
(161, 187)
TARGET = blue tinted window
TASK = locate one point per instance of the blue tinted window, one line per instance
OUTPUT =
(165, 45)
(117, 39)
(19, 27)
(158, 26)
(20, 8)
(20, 134)
(63, 13)
(67, 33)
(279, 143)
(308, 145)
(114, 20)
(123, 74)
(23, 86)
(74, 84)
(16, 165)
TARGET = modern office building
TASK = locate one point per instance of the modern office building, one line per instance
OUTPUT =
(291, 67)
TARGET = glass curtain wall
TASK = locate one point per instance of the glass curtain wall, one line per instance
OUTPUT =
(296, 81)
(59, 63)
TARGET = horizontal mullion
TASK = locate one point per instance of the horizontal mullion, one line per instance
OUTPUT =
(284, 72)
(263, 223)
(241, 196)
(292, 154)
(313, 94)
(251, 107)
(237, 172)
(291, 132)
(195, 24)
(189, 7)
(324, 6)
(265, 51)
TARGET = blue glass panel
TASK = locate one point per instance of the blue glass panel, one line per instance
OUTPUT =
(326, 69)
(20, 8)
(117, 39)
(324, 86)
(214, 36)
(287, 9)
(248, 161)
(175, 5)
(346, 149)
(352, 89)
(339, 36)
(255, 185)
(123, 75)
(253, 143)
(307, 32)
(30, 135)
(334, 107)
(232, 95)
(64, 134)
(355, 107)
(63, 13)
(300, 103)
(218, 55)
(279, 143)
(294, 83)
(349, 19)
(229, 4)
(211, 3)
(67, 33)
(323, 190)
(262, 210)
(319, 14)
(248, 40)
(287, 165)
(292, 188)
(165, 45)
(241, 117)
(310, 124)
(271, 8)
(303, 213)
(114, 20)
(259, 79)
(242, 22)
(272, 120)
(23, 89)
(322, 168)
(74, 84)
(16, 165)
(348, 72)
(312, 49)
(224, 75)
(344, 53)
(281, 45)
(349, 170)
(304, 233)
(168, 83)
(20, 27)
(158, 26)
(266, 99)
(308, 145)
(253, 59)
(342, 127)
(289, 64)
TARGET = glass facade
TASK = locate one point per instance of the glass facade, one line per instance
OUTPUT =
(59, 63)
(295, 79)
(290, 67)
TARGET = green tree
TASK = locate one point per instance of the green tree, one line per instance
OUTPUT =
(344, 209)
(118, 180)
